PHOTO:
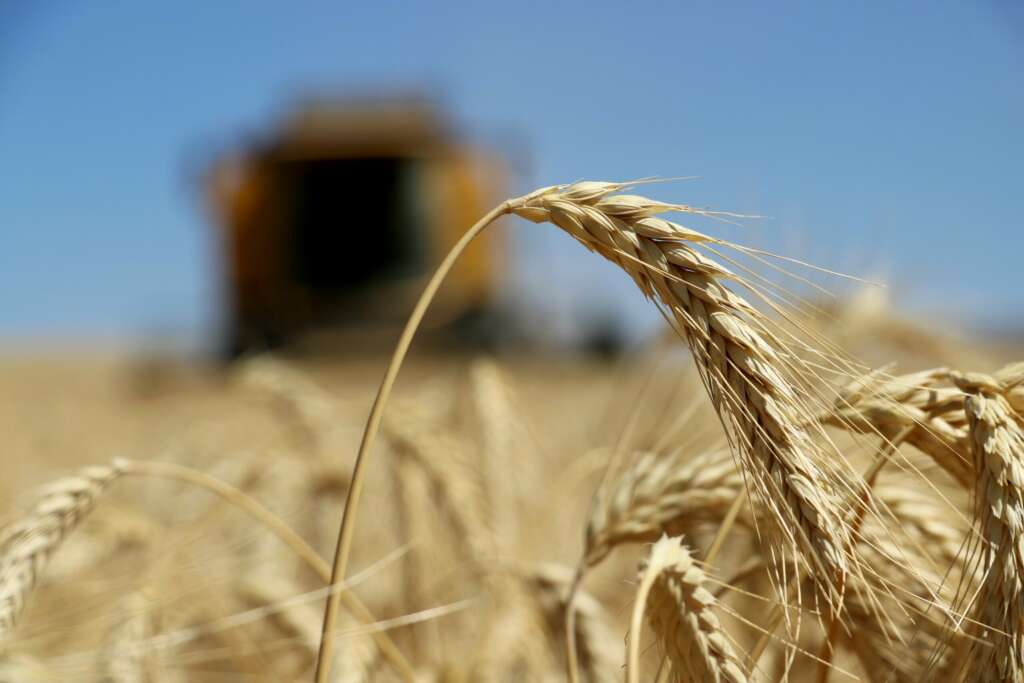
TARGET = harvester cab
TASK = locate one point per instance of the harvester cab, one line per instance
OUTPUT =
(335, 221)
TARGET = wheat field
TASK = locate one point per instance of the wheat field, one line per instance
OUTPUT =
(782, 486)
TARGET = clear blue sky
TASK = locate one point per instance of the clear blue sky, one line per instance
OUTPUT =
(881, 140)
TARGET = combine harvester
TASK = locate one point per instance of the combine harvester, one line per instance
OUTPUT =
(334, 222)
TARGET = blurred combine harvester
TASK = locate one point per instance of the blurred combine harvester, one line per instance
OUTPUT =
(336, 220)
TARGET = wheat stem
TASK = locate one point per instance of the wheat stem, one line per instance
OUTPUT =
(636, 623)
(347, 526)
(773, 623)
(571, 656)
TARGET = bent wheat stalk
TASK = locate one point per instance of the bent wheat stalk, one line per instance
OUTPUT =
(744, 374)
(343, 546)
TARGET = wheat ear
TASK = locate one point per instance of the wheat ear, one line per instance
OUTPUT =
(681, 612)
(926, 522)
(655, 496)
(27, 545)
(743, 373)
(661, 495)
(997, 445)
(510, 647)
(126, 656)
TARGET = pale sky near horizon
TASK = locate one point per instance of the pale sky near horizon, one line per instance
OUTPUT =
(883, 141)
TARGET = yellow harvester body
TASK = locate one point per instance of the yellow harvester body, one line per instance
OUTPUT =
(339, 217)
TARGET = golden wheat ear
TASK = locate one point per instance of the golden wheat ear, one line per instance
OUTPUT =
(744, 373)
(681, 611)
(28, 544)
(997, 445)
(658, 495)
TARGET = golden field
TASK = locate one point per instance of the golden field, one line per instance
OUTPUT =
(472, 523)
(779, 491)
